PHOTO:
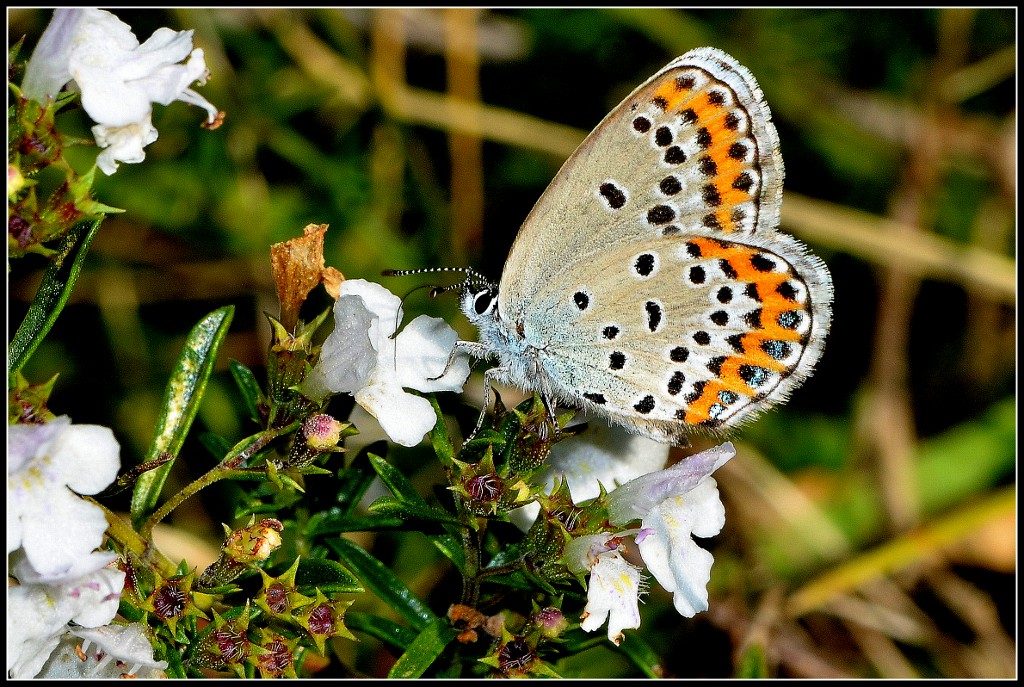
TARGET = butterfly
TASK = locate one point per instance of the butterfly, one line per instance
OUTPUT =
(650, 285)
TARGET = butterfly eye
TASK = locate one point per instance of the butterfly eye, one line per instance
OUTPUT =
(483, 300)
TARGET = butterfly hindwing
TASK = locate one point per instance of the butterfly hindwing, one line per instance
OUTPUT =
(704, 332)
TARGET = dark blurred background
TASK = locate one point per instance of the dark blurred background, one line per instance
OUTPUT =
(871, 521)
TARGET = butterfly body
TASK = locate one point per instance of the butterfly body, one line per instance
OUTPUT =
(650, 285)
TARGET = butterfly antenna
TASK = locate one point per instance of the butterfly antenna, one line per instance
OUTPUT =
(472, 277)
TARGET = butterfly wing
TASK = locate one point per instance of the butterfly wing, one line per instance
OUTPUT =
(672, 333)
(674, 197)
(691, 151)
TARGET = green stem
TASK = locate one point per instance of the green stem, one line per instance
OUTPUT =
(213, 476)
(129, 540)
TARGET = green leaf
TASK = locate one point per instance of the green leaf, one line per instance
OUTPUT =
(357, 478)
(217, 445)
(53, 293)
(424, 650)
(249, 387)
(180, 404)
(387, 631)
(330, 577)
(398, 483)
(642, 655)
(439, 436)
(386, 505)
(381, 581)
(449, 543)
(332, 523)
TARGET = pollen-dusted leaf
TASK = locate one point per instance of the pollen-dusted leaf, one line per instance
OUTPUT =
(180, 404)
(298, 266)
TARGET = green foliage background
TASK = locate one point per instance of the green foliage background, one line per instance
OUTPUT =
(870, 522)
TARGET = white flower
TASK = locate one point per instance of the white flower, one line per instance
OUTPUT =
(119, 79)
(675, 505)
(38, 615)
(615, 586)
(112, 652)
(363, 357)
(46, 465)
(601, 455)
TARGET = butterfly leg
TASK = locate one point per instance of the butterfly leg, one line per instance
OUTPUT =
(489, 376)
(470, 348)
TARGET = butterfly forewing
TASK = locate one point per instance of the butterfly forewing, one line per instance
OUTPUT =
(692, 151)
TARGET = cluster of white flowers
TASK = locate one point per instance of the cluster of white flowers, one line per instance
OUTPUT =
(67, 592)
(673, 505)
(118, 78)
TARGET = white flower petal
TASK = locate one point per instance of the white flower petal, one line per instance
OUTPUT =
(118, 78)
(88, 457)
(363, 356)
(404, 417)
(613, 593)
(347, 357)
(38, 614)
(422, 349)
(21, 568)
(636, 498)
(34, 624)
(47, 70)
(602, 455)
(383, 304)
(56, 527)
(127, 644)
(581, 554)
(669, 552)
(123, 143)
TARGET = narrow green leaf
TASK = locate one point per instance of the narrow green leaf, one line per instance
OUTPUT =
(398, 483)
(449, 543)
(439, 436)
(354, 480)
(217, 445)
(330, 577)
(642, 655)
(58, 281)
(424, 650)
(387, 631)
(382, 582)
(180, 404)
(330, 523)
(250, 388)
(386, 505)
